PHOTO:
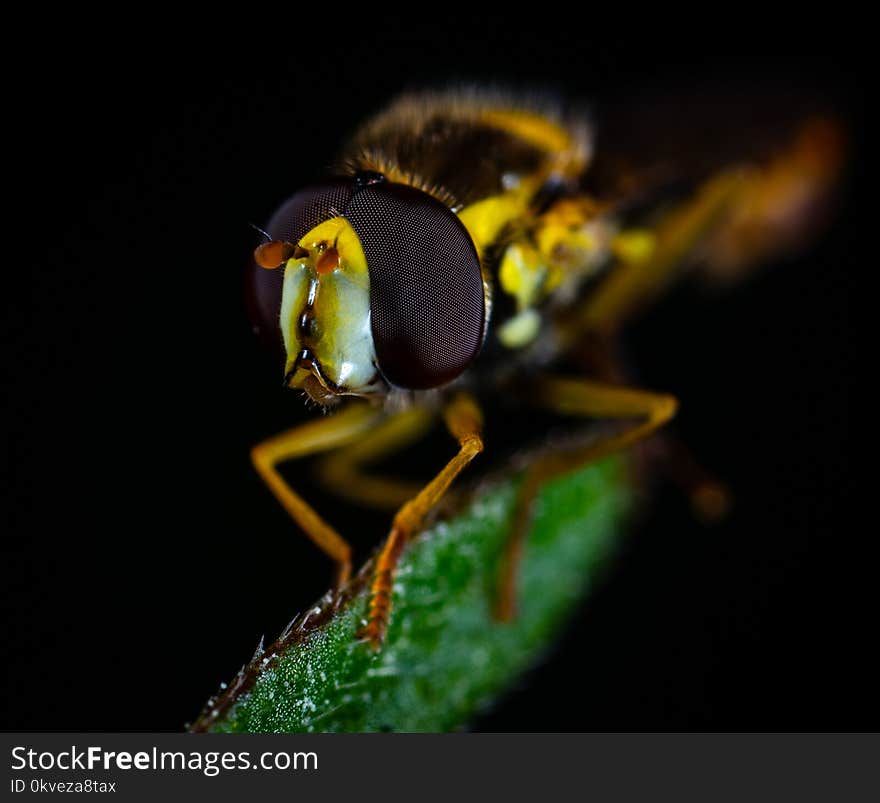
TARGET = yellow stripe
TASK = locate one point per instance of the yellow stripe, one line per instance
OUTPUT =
(534, 129)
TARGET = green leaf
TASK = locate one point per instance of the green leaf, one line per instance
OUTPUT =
(444, 657)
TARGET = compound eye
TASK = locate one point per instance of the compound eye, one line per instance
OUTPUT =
(295, 218)
(427, 308)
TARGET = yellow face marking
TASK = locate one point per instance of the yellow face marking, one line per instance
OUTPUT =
(337, 234)
(331, 286)
(294, 295)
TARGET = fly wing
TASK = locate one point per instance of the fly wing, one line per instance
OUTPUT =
(788, 144)
(662, 140)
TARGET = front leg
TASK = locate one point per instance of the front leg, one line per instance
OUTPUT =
(315, 436)
(464, 422)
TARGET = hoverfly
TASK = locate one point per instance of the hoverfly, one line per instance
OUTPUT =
(465, 243)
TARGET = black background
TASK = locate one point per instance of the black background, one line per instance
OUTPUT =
(142, 558)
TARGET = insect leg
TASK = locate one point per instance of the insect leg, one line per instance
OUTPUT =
(753, 210)
(315, 436)
(343, 471)
(464, 422)
(649, 260)
(710, 498)
(577, 397)
(733, 220)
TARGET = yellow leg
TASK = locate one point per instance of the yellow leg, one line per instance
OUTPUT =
(582, 398)
(316, 436)
(710, 498)
(464, 422)
(643, 272)
(777, 211)
(737, 218)
(343, 471)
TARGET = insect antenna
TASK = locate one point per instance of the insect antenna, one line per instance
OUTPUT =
(266, 234)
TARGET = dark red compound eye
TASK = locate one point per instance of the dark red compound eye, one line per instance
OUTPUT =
(427, 306)
(427, 309)
(298, 215)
